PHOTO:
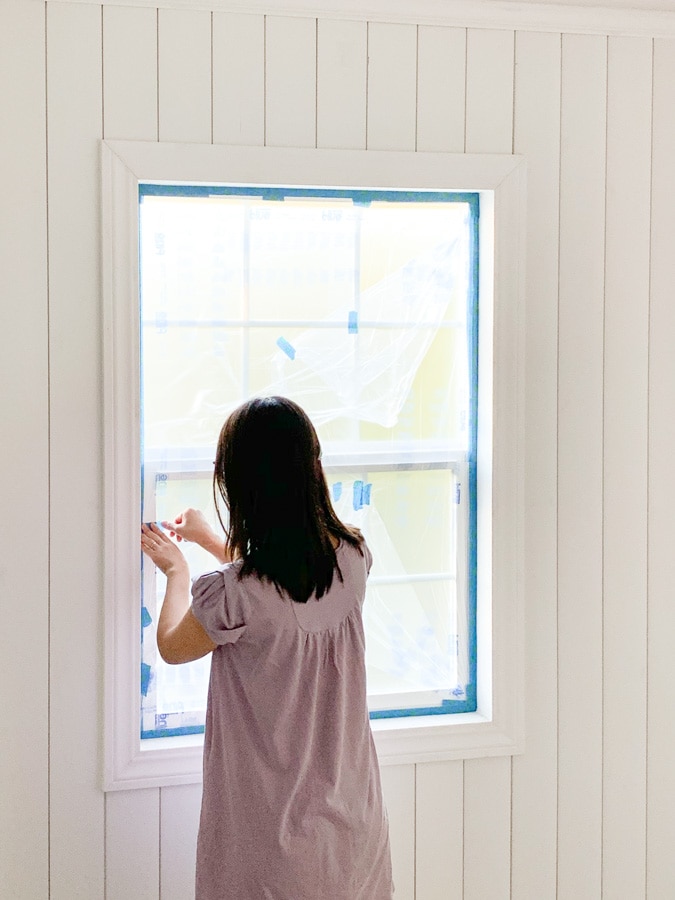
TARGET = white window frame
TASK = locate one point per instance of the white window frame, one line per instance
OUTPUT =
(496, 728)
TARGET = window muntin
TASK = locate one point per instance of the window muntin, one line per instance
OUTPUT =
(349, 303)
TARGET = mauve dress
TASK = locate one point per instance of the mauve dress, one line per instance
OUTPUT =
(292, 805)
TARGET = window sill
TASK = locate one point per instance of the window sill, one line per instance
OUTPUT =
(161, 762)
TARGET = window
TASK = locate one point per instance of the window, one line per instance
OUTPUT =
(362, 307)
(360, 303)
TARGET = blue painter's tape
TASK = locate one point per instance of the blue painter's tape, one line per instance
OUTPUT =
(358, 494)
(146, 671)
(353, 322)
(337, 490)
(366, 494)
(146, 618)
(288, 349)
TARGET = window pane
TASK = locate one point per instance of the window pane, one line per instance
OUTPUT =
(302, 261)
(359, 308)
(191, 381)
(192, 247)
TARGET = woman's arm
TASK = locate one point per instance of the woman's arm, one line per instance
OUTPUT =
(191, 525)
(180, 637)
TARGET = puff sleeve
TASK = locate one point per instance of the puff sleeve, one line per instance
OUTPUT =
(217, 604)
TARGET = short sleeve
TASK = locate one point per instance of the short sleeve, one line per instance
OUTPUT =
(217, 606)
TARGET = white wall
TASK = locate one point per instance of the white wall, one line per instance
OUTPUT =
(589, 810)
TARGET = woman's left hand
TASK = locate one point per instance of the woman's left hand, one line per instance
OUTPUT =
(162, 551)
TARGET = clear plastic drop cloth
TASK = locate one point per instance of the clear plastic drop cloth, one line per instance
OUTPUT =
(363, 367)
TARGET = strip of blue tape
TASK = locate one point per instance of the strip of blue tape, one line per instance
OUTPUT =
(288, 349)
(146, 672)
(353, 322)
(337, 490)
(366, 494)
(358, 495)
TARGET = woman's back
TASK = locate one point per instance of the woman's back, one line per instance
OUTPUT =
(292, 806)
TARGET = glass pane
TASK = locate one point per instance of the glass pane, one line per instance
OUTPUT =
(408, 518)
(192, 247)
(303, 263)
(174, 696)
(191, 380)
(412, 643)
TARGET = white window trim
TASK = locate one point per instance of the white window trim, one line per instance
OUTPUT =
(497, 726)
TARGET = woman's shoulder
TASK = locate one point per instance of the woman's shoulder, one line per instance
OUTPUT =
(359, 551)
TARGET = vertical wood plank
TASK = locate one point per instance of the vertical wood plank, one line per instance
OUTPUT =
(180, 806)
(24, 456)
(489, 91)
(661, 611)
(398, 788)
(290, 82)
(537, 136)
(129, 73)
(439, 830)
(74, 131)
(342, 63)
(238, 79)
(487, 828)
(184, 43)
(487, 782)
(132, 845)
(625, 465)
(392, 86)
(441, 88)
(580, 403)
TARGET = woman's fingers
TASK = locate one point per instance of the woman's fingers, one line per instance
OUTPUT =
(162, 551)
(153, 534)
(171, 527)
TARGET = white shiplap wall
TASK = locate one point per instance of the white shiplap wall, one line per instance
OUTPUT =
(588, 811)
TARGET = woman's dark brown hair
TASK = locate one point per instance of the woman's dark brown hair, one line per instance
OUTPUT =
(268, 472)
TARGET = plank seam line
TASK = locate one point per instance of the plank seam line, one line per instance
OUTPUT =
(367, 75)
(649, 416)
(513, 96)
(102, 75)
(49, 470)
(105, 796)
(316, 82)
(415, 831)
(417, 83)
(157, 65)
(466, 78)
(463, 828)
(557, 490)
(264, 80)
(159, 842)
(511, 828)
(602, 492)
(212, 15)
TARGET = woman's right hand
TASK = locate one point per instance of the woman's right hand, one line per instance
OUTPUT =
(191, 525)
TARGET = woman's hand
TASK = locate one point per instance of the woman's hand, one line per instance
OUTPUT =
(191, 525)
(162, 551)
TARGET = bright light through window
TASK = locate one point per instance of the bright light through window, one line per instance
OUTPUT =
(362, 307)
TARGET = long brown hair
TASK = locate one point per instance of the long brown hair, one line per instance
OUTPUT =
(268, 472)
